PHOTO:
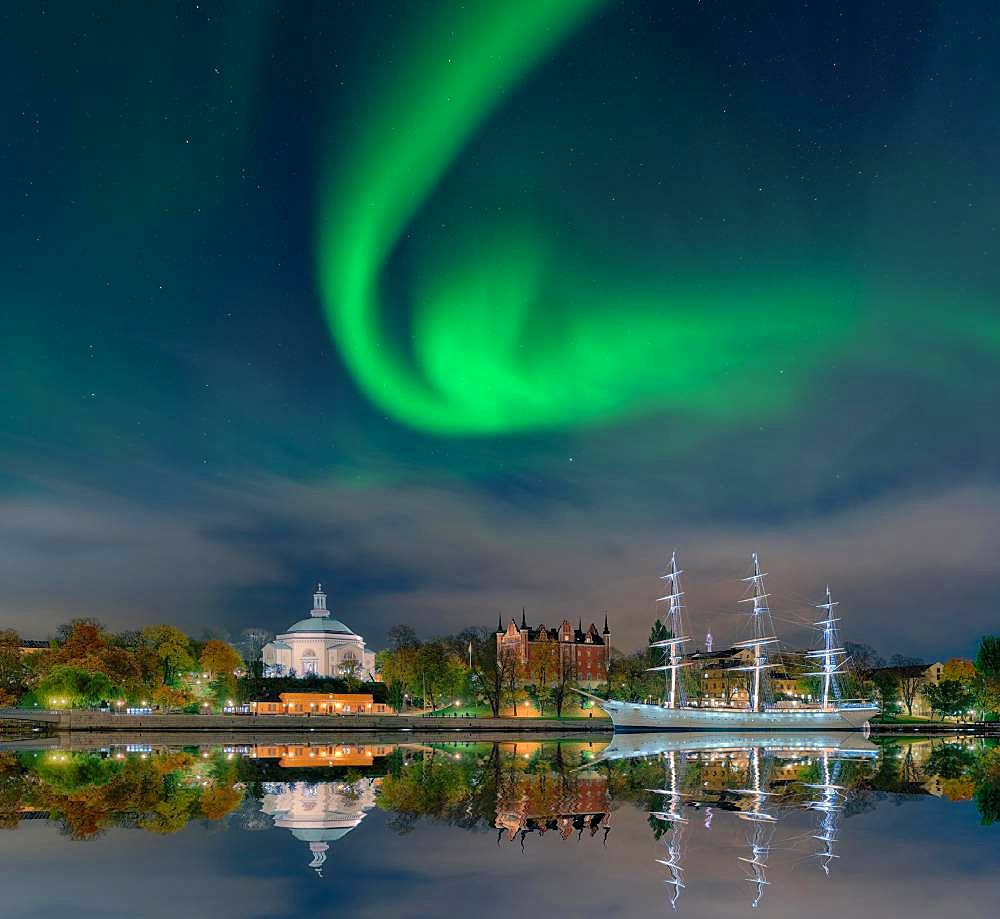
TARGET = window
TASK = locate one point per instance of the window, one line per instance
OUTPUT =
(308, 667)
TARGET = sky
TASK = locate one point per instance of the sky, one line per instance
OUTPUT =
(467, 308)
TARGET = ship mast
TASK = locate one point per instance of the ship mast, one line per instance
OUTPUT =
(830, 655)
(762, 628)
(675, 624)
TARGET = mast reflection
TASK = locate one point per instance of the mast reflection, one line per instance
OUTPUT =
(752, 776)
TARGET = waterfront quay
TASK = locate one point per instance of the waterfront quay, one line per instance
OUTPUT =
(85, 720)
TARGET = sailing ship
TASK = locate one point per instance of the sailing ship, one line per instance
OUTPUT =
(828, 713)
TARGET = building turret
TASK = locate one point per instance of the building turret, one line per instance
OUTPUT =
(319, 609)
(606, 630)
(524, 620)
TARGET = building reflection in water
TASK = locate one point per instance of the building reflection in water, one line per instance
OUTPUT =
(561, 802)
(685, 784)
(319, 813)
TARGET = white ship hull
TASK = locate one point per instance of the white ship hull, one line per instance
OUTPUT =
(842, 744)
(637, 716)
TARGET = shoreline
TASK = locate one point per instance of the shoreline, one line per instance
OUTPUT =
(82, 721)
(73, 721)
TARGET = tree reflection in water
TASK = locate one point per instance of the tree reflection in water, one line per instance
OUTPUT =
(518, 789)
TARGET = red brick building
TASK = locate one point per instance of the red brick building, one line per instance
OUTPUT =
(548, 653)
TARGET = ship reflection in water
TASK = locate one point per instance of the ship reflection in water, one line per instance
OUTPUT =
(695, 813)
(755, 778)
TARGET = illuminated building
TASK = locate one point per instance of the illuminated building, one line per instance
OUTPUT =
(585, 654)
(318, 646)
(321, 703)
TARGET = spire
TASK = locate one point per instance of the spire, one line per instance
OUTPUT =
(524, 621)
(580, 627)
(499, 622)
(319, 602)
(606, 631)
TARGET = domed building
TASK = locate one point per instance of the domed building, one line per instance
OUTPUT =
(318, 645)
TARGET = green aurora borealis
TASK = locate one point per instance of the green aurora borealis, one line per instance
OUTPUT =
(516, 337)
(522, 333)
(454, 308)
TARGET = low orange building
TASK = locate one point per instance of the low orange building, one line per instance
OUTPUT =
(307, 755)
(322, 703)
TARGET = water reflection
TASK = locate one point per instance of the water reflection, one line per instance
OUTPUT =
(692, 789)
(319, 813)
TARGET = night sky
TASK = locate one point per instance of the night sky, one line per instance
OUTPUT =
(464, 308)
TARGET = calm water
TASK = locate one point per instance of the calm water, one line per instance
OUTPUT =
(798, 826)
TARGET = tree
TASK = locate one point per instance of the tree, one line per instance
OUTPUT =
(402, 636)
(13, 670)
(76, 686)
(563, 686)
(957, 668)
(986, 685)
(511, 670)
(172, 647)
(252, 643)
(83, 644)
(949, 697)
(218, 657)
(487, 675)
(864, 658)
(543, 665)
(351, 669)
(627, 676)
(887, 687)
(441, 674)
(399, 670)
(659, 632)
(988, 657)
(170, 697)
(910, 685)
(66, 630)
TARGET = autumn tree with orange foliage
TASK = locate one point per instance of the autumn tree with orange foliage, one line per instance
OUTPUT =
(959, 669)
(218, 658)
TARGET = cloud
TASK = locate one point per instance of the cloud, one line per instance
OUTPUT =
(915, 572)
(445, 558)
(128, 565)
